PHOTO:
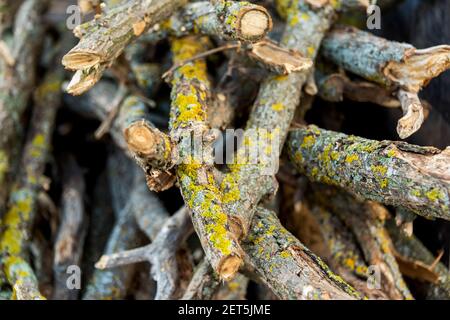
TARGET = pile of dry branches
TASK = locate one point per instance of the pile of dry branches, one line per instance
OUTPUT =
(93, 158)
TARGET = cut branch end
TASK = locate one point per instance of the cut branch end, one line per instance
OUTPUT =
(140, 138)
(254, 23)
(80, 60)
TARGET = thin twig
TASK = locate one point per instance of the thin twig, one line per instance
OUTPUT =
(200, 56)
(106, 124)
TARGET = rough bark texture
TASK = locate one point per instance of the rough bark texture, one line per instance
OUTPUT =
(18, 220)
(189, 95)
(287, 267)
(272, 114)
(161, 253)
(366, 220)
(343, 252)
(394, 173)
(72, 230)
(204, 284)
(334, 87)
(16, 86)
(389, 63)
(152, 149)
(222, 19)
(103, 40)
(113, 284)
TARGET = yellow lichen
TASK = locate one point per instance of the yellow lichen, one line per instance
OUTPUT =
(379, 169)
(230, 189)
(350, 263)
(294, 20)
(190, 110)
(434, 194)
(277, 107)
(350, 158)
(391, 153)
(308, 142)
(280, 77)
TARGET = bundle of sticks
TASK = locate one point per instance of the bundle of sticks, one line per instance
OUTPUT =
(167, 154)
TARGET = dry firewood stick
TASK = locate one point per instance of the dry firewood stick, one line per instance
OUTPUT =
(153, 150)
(366, 220)
(170, 267)
(340, 241)
(286, 266)
(394, 173)
(389, 63)
(411, 248)
(204, 284)
(150, 147)
(334, 87)
(69, 243)
(272, 114)
(144, 79)
(151, 216)
(234, 24)
(16, 82)
(201, 18)
(392, 64)
(113, 284)
(19, 218)
(96, 51)
(345, 255)
(102, 40)
(161, 253)
(190, 87)
(101, 222)
(140, 130)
